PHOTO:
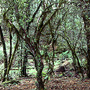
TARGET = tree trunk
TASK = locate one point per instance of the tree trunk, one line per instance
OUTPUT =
(39, 67)
(12, 57)
(75, 57)
(24, 64)
(88, 55)
(86, 19)
(40, 84)
(79, 66)
(10, 54)
(5, 54)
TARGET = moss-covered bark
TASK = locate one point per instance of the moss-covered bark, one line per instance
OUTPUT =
(86, 19)
(5, 54)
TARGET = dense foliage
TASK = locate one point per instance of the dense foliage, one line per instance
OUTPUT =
(41, 33)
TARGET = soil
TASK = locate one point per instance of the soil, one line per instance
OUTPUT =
(55, 83)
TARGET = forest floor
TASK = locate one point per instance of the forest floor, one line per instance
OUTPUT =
(56, 83)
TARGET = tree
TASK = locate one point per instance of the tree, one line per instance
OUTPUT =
(33, 41)
(5, 53)
(39, 27)
(71, 32)
(86, 19)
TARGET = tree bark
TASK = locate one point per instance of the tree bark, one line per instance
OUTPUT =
(12, 57)
(86, 19)
(39, 67)
(5, 54)
(10, 54)
(23, 71)
(88, 55)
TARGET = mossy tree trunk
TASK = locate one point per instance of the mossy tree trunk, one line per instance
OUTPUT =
(5, 54)
(23, 68)
(39, 68)
(86, 19)
(88, 54)
(76, 62)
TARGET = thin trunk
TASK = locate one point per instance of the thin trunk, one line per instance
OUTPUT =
(12, 57)
(5, 54)
(21, 59)
(80, 68)
(10, 45)
(88, 55)
(74, 62)
(10, 54)
(24, 64)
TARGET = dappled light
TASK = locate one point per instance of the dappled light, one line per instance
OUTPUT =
(44, 44)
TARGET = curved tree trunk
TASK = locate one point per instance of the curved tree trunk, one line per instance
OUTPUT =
(5, 54)
(12, 57)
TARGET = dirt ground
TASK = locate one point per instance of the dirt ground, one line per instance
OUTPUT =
(56, 83)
